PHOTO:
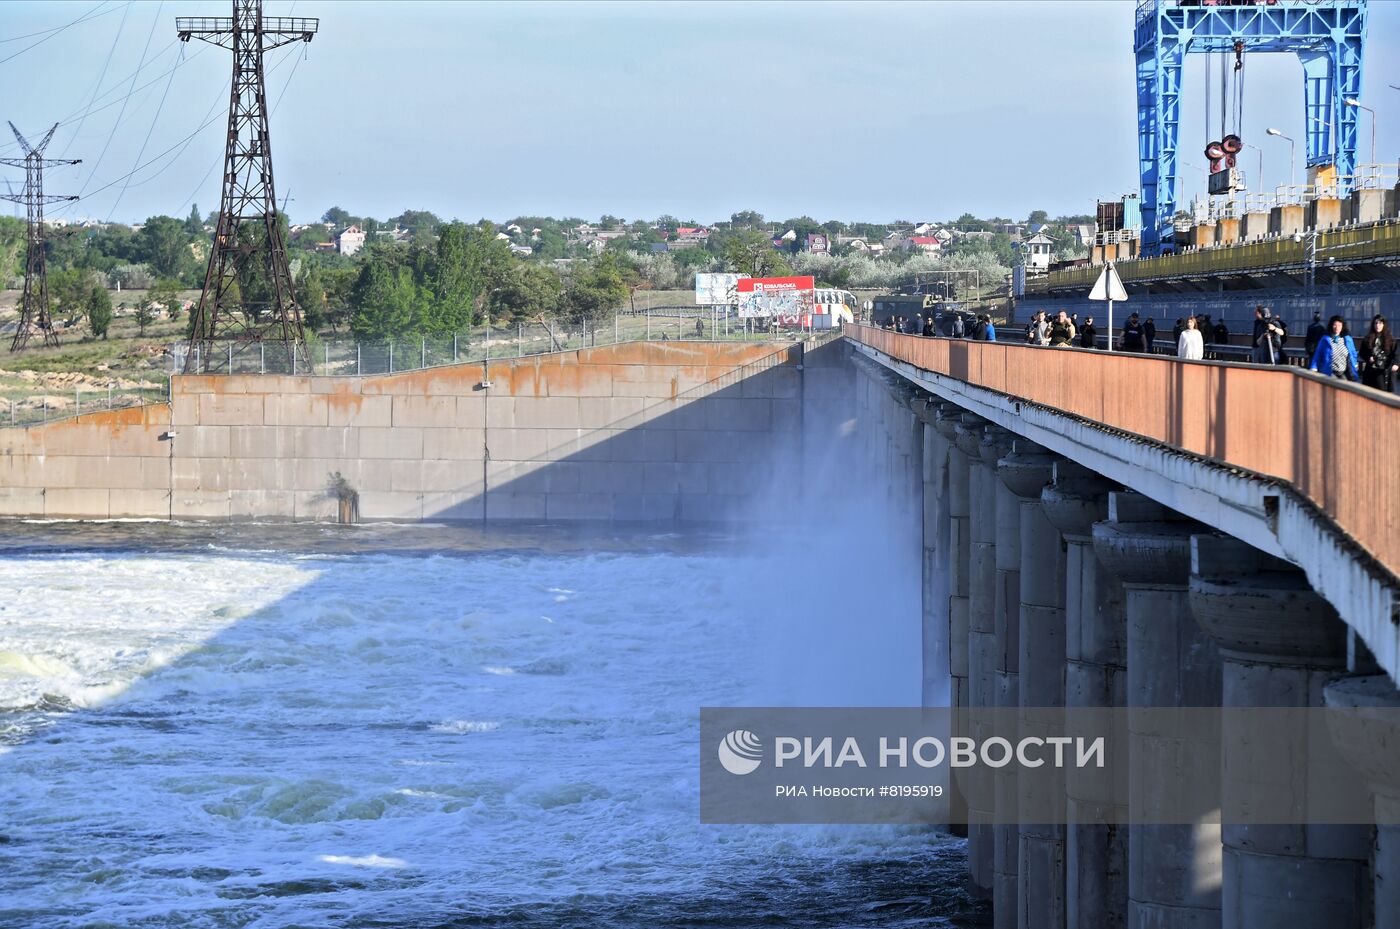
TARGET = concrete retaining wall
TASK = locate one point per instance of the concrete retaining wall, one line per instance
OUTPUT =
(640, 431)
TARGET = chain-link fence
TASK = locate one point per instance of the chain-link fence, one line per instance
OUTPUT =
(360, 357)
(30, 405)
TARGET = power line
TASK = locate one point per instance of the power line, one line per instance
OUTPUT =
(103, 76)
(144, 143)
(122, 112)
(57, 30)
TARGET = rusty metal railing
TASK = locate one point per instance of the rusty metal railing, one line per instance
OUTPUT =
(1333, 441)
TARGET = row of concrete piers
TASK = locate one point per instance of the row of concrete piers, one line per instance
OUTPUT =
(1046, 585)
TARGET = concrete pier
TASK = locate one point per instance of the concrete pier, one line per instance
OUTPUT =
(1371, 748)
(1095, 676)
(937, 575)
(1279, 643)
(984, 445)
(1040, 858)
(1173, 871)
(959, 565)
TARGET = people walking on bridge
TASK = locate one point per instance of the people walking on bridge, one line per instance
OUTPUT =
(1149, 335)
(929, 330)
(1269, 336)
(990, 334)
(1177, 330)
(1316, 330)
(1131, 340)
(1222, 333)
(1088, 336)
(1336, 353)
(1380, 356)
(1038, 330)
(959, 327)
(1189, 344)
(1061, 333)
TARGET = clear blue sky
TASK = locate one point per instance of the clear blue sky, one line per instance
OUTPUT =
(837, 110)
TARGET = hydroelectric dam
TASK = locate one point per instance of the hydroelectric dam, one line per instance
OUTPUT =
(1093, 532)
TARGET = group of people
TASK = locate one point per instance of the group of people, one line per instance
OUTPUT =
(1333, 352)
(982, 329)
(1328, 347)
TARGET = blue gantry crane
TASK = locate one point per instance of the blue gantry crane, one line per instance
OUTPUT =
(1326, 35)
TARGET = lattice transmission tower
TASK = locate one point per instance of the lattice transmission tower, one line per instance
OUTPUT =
(248, 297)
(34, 301)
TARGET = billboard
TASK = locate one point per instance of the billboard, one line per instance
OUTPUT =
(715, 289)
(787, 298)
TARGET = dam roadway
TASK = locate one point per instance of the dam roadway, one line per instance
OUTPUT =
(1097, 530)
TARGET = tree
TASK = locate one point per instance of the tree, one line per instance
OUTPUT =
(337, 217)
(752, 253)
(166, 246)
(746, 219)
(99, 312)
(468, 263)
(165, 295)
(596, 292)
(193, 224)
(1037, 216)
(311, 296)
(530, 291)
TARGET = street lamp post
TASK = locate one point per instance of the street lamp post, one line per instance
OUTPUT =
(1292, 161)
(1352, 101)
(1261, 165)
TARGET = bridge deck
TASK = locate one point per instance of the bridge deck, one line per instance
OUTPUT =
(1334, 442)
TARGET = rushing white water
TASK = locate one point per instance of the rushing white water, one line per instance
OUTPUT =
(226, 738)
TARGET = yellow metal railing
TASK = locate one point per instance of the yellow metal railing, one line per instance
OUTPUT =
(1375, 241)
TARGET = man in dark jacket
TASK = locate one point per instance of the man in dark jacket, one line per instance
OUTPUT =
(1088, 334)
(1132, 335)
(1149, 334)
(1316, 332)
(1222, 333)
(1267, 338)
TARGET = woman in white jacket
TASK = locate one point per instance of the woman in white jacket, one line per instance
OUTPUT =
(1189, 344)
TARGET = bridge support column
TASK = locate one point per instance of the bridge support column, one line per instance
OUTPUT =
(959, 566)
(1173, 870)
(936, 570)
(1280, 643)
(1096, 841)
(984, 444)
(1040, 849)
(1371, 747)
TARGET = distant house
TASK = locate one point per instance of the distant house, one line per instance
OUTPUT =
(929, 244)
(1037, 249)
(924, 229)
(502, 237)
(524, 251)
(513, 229)
(1083, 234)
(350, 240)
(693, 233)
(854, 243)
(943, 235)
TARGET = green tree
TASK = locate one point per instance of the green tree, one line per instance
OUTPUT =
(166, 246)
(530, 291)
(598, 291)
(337, 217)
(99, 312)
(194, 225)
(165, 295)
(469, 262)
(311, 295)
(145, 315)
(752, 253)
(1037, 216)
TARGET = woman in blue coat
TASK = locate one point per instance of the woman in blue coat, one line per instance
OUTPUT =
(1336, 353)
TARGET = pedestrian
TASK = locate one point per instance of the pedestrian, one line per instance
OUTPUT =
(1203, 326)
(990, 333)
(1314, 335)
(1177, 330)
(1336, 353)
(959, 327)
(1131, 340)
(1088, 336)
(1379, 360)
(1149, 335)
(1267, 338)
(1222, 333)
(1188, 342)
(929, 329)
(1060, 333)
(1040, 330)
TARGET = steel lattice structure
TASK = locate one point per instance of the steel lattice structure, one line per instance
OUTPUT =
(1327, 35)
(34, 302)
(248, 297)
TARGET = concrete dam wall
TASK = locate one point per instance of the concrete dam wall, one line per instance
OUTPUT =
(676, 431)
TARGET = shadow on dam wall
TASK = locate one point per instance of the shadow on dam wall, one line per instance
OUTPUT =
(646, 432)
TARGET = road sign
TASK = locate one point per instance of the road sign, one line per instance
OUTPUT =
(1108, 287)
